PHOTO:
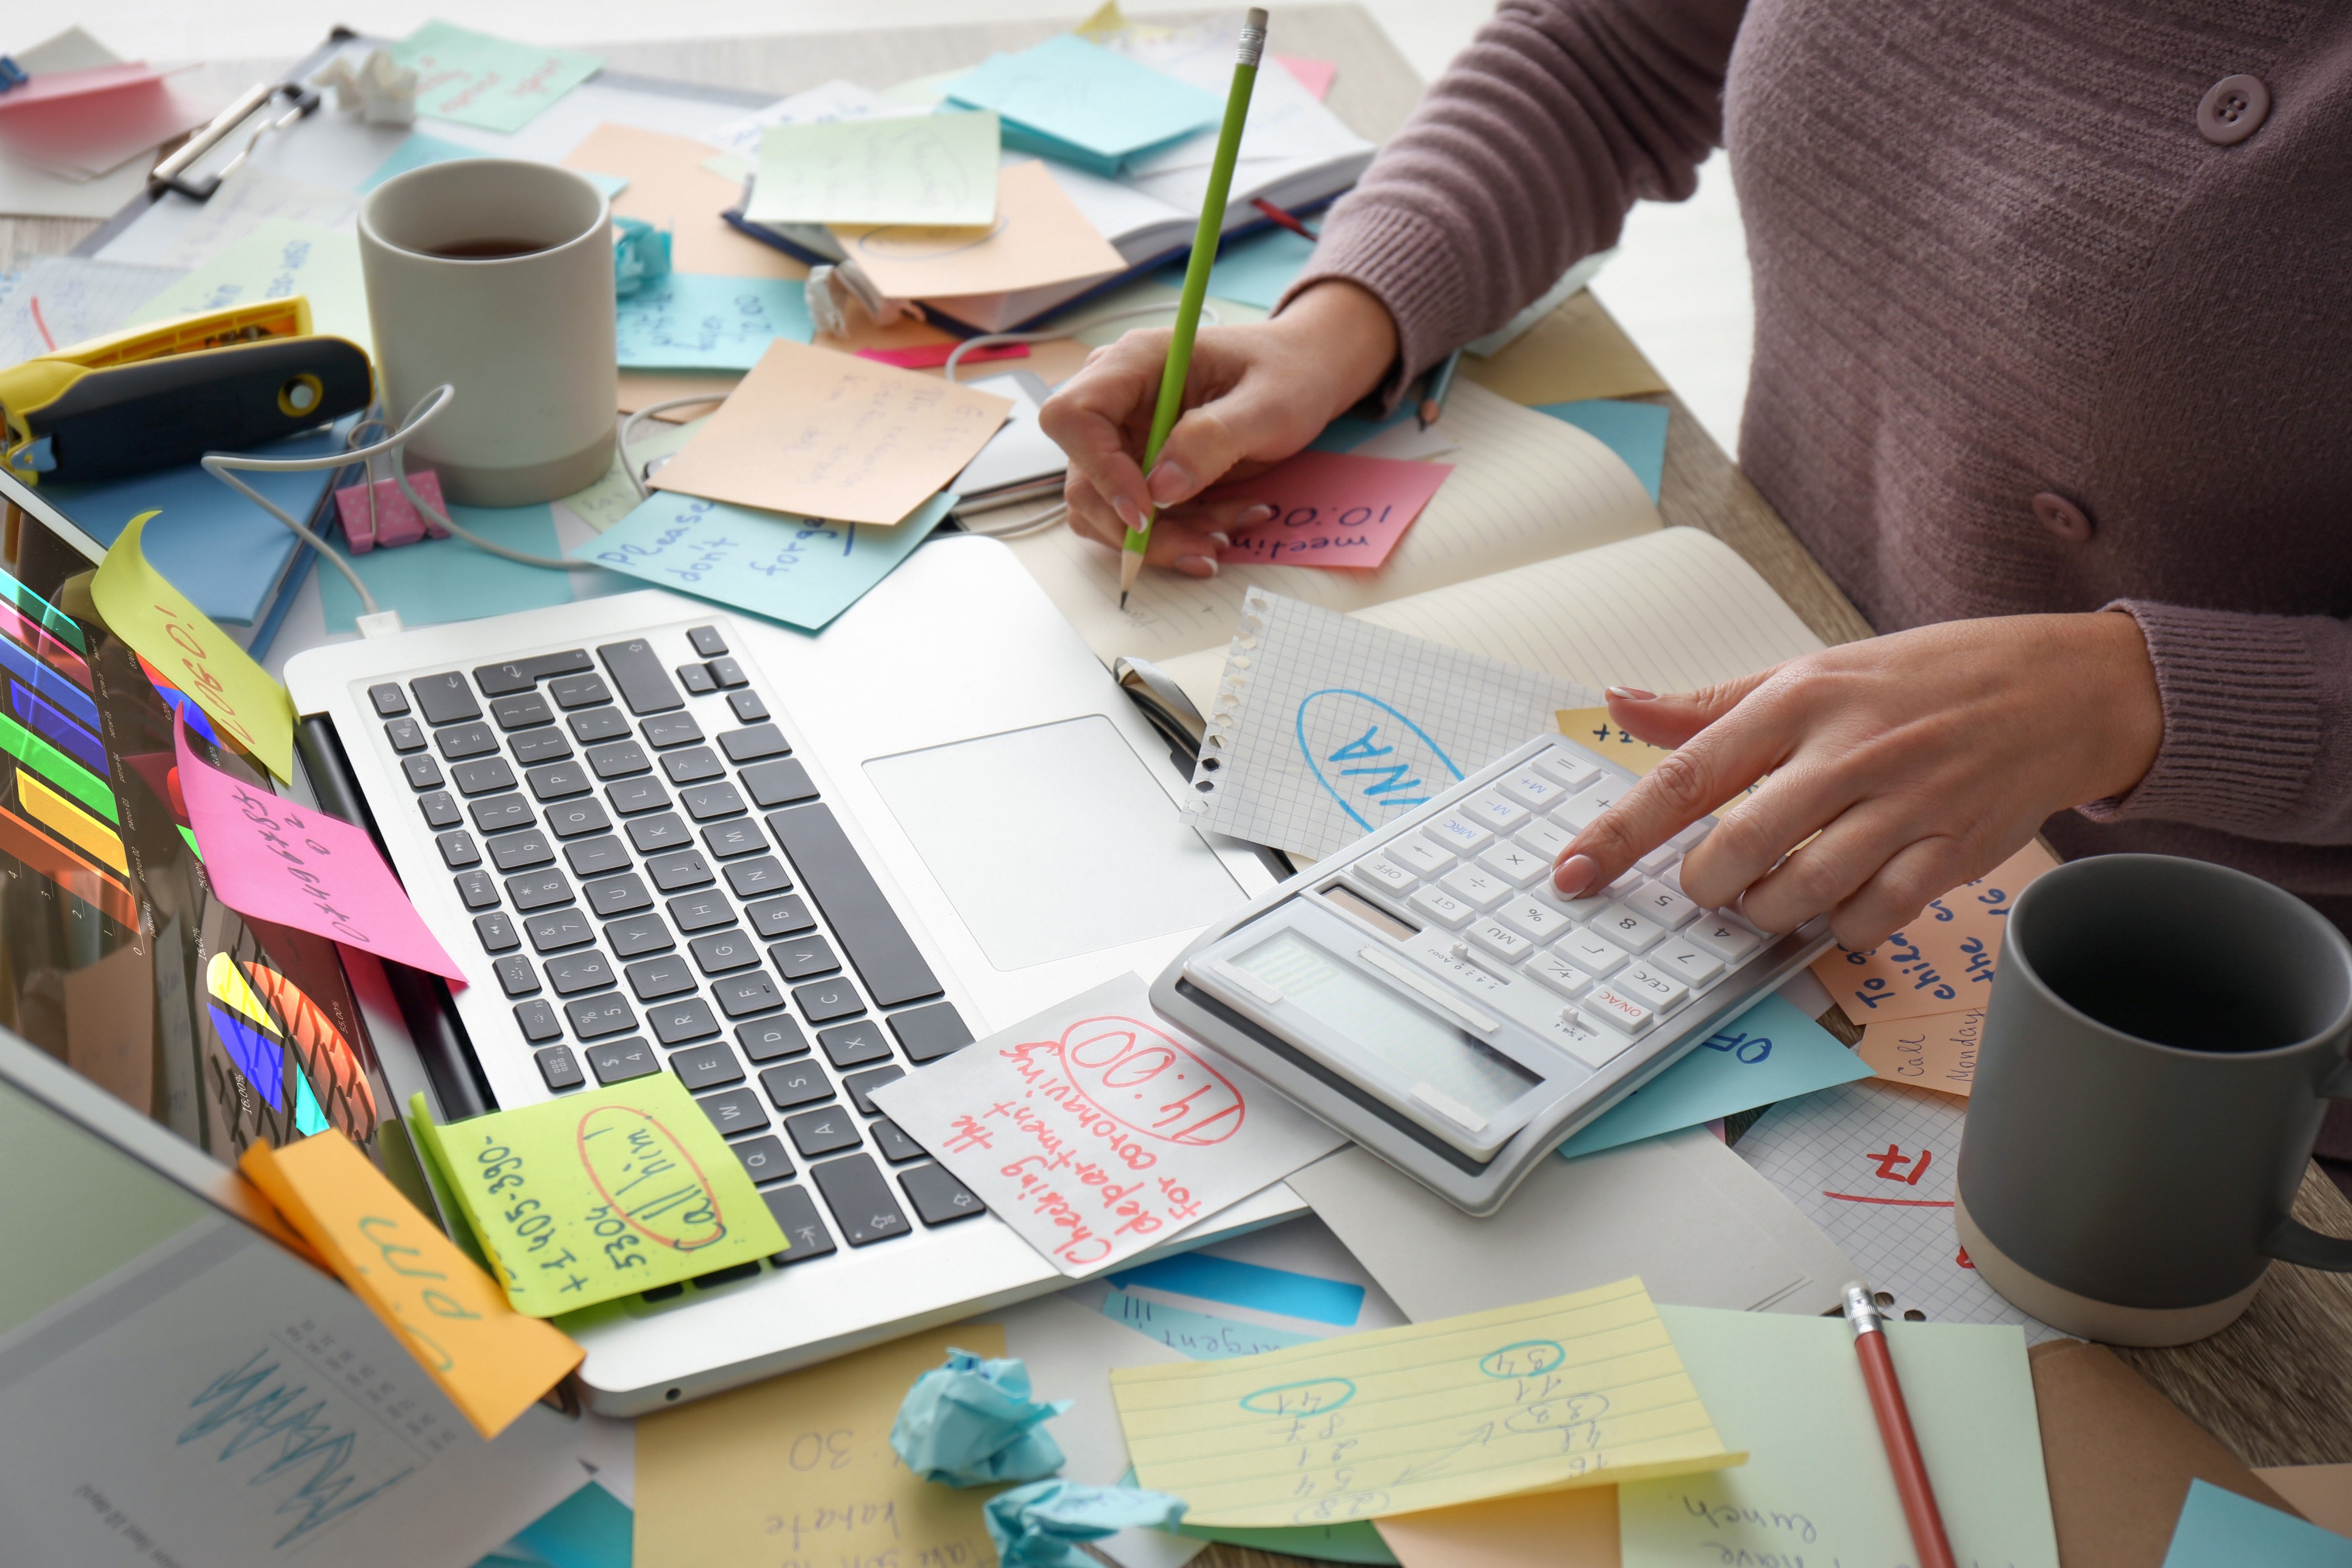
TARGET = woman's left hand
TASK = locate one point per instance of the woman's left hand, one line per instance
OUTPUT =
(1920, 759)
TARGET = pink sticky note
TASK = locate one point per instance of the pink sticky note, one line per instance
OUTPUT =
(931, 356)
(274, 860)
(1315, 76)
(1331, 509)
(56, 87)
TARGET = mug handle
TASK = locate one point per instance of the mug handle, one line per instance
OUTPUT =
(2291, 1241)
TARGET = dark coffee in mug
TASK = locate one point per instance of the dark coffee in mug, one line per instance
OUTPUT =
(486, 249)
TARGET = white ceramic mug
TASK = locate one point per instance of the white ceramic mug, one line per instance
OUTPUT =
(496, 275)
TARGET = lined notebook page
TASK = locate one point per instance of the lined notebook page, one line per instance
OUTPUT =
(1524, 488)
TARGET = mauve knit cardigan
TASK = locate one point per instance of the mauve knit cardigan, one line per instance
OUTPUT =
(1995, 256)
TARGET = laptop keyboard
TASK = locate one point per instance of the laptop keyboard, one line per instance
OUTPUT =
(660, 888)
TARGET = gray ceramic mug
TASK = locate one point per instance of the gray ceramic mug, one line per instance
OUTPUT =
(2162, 1040)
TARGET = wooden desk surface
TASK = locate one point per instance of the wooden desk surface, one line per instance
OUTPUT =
(2277, 1385)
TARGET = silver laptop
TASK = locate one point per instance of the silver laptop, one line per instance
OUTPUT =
(660, 837)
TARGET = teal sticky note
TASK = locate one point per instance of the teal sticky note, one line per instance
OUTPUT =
(2218, 1529)
(589, 1529)
(1068, 99)
(1635, 431)
(799, 571)
(1256, 269)
(435, 581)
(1199, 1335)
(420, 150)
(1252, 1285)
(1347, 433)
(694, 321)
(477, 80)
(1768, 1053)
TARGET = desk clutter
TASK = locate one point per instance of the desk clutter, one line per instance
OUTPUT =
(833, 319)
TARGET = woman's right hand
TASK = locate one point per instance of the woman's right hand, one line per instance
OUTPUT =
(1255, 394)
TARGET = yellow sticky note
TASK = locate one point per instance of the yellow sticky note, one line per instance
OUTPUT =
(1939, 1051)
(1582, 1390)
(1592, 729)
(491, 1361)
(599, 1196)
(142, 608)
(798, 1471)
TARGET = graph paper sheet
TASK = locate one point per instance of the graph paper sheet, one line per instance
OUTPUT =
(1325, 727)
(1876, 1165)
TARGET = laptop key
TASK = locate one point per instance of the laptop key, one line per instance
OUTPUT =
(797, 1217)
(675, 1022)
(622, 895)
(708, 643)
(729, 673)
(579, 691)
(770, 1040)
(706, 1066)
(527, 711)
(868, 930)
(686, 868)
(850, 1045)
(739, 996)
(516, 977)
(927, 1033)
(521, 851)
(692, 766)
(521, 674)
(724, 951)
(617, 1061)
(780, 783)
(764, 1159)
(752, 745)
(747, 705)
(860, 1200)
(727, 1276)
(938, 1196)
(639, 933)
(536, 746)
(572, 973)
(497, 813)
(558, 1068)
(779, 916)
(537, 1021)
(631, 797)
(645, 685)
(800, 957)
(697, 679)
(657, 978)
(440, 808)
(445, 699)
(750, 878)
(457, 850)
(701, 911)
(557, 780)
(665, 730)
(816, 1133)
(652, 835)
(539, 889)
(595, 856)
(828, 1000)
(552, 930)
(618, 759)
(497, 934)
(458, 742)
(862, 1084)
(577, 818)
(483, 775)
(477, 889)
(735, 1110)
(405, 735)
(704, 802)
(741, 836)
(390, 702)
(421, 771)
(892, 1140)
(591, 725)
(795, 1084)
(594, 1017)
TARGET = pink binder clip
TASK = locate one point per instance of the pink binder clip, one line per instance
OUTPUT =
(391, 520)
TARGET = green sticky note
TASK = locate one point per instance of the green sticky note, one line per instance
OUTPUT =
(599, 1196)
(1816, 1487)
(477, 80)
(278, 258)
(920, 168)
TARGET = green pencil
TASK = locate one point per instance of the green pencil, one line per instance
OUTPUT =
(1196, 283)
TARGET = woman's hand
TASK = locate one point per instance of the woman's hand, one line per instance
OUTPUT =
(1255, 394)
(1921, 760)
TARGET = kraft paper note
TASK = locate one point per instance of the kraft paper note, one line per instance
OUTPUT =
(1939, 1051)
(669, 188)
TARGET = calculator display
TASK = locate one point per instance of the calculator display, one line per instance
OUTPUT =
(1383, 1025)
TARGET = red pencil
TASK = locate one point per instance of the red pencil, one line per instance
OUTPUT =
(1894, 1427)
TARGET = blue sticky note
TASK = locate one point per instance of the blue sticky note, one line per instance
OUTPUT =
(1635, 431)
(2218, 1529)
(1768, 1053)
(420, 150)
(1199, 1335)
(435, 581)
(589, 1529)
(1070, 99)
(1250, 1285)
(694, 321)
(795, 570)
(1254, 271)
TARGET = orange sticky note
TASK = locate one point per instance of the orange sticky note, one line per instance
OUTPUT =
(669, 188)
(824, 434)
(491, 1361)
(1942, 961)
(1039, 236)
(1939, 1051)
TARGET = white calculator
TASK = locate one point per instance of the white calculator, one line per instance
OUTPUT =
(1427, 992)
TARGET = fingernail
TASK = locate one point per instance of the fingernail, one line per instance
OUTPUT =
(1223, 541)
(1253, 515)
(1574, 875)
(1128, 513)
(1169, 483)
(1632, 694)
(1197, 565)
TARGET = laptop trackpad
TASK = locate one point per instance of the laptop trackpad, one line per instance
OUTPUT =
(1054, 841)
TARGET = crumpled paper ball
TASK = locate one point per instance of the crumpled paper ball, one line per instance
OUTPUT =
(971, 1424)
(1040, 1525)
(380, 89)
(640, 254)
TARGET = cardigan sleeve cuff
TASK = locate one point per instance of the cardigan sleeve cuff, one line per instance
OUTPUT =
(2244, 722)
(1398, 257)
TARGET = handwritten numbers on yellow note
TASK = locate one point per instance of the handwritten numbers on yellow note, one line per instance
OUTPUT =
(1578, 1391)
(491, 1361)
(144, 610)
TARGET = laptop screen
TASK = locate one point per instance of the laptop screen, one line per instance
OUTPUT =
(115, 957)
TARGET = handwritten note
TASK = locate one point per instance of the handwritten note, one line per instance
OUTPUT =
(1939, 1051)
(925, 169)
(1789, 1390)
(272, 859)
(1201, 1336)
(600, 1194)
(58, 301)
(1772, 1052)
(477, 80)
(819, 434)
(695, 320)
(1595, 730)
(1074, 101)
(278, 259)
(1038, 236)
(790, 569)
(797, 1471)
(1942, 961)
(144, 610)
(1331, 509)
(1096, 1131)
(1582, 1390)
(491, 1361)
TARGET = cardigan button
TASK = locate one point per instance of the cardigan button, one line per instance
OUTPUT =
(2063, 518)
(2232, 110)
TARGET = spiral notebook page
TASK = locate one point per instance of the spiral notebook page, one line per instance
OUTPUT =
(1524, 488)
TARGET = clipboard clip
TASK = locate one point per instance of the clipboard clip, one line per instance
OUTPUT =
(263, 98)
